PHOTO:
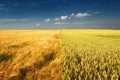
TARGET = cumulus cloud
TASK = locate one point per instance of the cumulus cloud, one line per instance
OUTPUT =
(64, 17)
(61, 18)
(57, 23)
(47, 20)
(67, 17)
(81, 15)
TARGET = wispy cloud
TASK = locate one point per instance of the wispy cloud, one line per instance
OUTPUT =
(47, 20)
(56, 19)
(57, 23)
(37, 24)
(72, 14)
(81, 15)
(12, 20)
(64, 17)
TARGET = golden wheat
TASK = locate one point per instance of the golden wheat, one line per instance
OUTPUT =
(29, 55)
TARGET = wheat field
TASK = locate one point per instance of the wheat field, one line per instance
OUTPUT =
(29, 55)
(60, 54)
(91, 55)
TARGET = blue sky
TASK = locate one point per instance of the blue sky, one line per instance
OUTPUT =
(59, 14)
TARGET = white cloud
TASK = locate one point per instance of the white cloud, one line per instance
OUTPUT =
(56, 19)
(81, 15)
(64, 17)
(57, 23)
(47, 20)
(72, 15)
(10, 20)
(67, 17)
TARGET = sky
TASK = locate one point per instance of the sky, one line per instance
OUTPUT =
(59, 14)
